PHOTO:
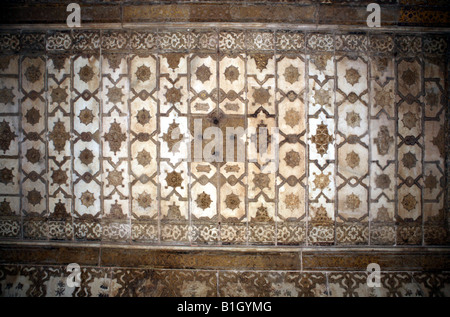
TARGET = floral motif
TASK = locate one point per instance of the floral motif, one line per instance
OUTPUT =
(33, 74)
(59, 177)
(322, 96)
(321, 61)
(59, 95)
(232, 201)
(409, 160)
(409, 120)
(144, 200)
(174, 179)
(261, 181)
(86, 157)
(292, 158)
(34, 197)
(262, 215)
(6, 96)
(352, 159)
(143, 116)
(439, 141)
(292, 118)
(33, 116)
(114, 95)
(143, 73)
(261, 60)
(87, 199)
(231, 73)
(173, 95)
(383, 98)
(173, 59)
(6, 136)
(352, 76)
(203, 73)
(261, 96)
(86, 73)
(292, 202)
(409, 202)
(33, 155)
(115, 137)
(172, 137)
(143, 158)
(6, 176)
(353, 119)
(203, 200)
(383, 181)
(409, 77)
(115, 178)
(291, 74)
(383, 140)
(59, 136)
(322, 139)
(353, 202)
(86, 116)
(322, 180)
(430, 182)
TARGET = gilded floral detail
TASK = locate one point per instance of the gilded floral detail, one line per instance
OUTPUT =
(261, 60)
